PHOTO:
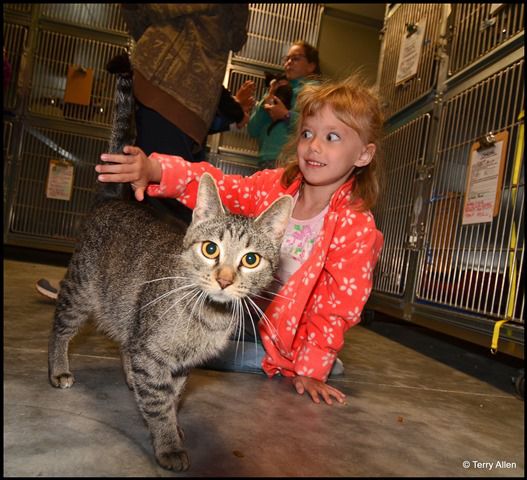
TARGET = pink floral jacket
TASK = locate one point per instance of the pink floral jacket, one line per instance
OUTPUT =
(326, 295)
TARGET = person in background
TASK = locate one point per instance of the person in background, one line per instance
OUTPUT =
(331, 245)
(179, 64)
(301, 65)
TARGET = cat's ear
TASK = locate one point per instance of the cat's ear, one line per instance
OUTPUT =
(208, 203)
(275, 218)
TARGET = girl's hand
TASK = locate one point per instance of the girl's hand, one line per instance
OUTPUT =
(316, 387)
(134, 167)
(276, 109)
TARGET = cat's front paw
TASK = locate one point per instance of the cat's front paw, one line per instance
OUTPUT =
(64, 380)
(177, 460)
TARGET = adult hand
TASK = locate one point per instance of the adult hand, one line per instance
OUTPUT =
(245, 95)
(133, 166)
(276, 109)
(315, 388)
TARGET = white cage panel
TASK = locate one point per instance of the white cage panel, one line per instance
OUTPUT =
(231, 165)
(274, 26)
(399, 96)
(479, 28)
(18, 7)
(403, 152)
(104, 16)
(478, 267)
(33, 213)
(14, 43)
(55, 52)
(8, 135)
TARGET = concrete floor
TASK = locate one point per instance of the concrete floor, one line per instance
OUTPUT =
(419, 404)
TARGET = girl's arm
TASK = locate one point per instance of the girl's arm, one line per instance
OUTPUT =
(170, 176)
(339, 297)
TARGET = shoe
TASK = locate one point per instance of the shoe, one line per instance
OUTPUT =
(338, 368)
(45, 288)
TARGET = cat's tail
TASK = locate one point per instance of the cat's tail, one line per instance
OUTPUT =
(123, 124)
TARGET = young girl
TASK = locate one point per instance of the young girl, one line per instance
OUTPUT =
(331, 245)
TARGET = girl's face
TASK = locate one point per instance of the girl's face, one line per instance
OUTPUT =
(296, 64)
(328, 150)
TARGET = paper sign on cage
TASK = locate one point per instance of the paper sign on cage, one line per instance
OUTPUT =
(410, 53)
(484, 180)
(79, 85)
(59, 185)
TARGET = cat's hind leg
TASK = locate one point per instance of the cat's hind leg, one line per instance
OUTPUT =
(71, 312)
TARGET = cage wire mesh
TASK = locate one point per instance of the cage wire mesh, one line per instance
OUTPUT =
(479, 28)
(403, 151)
(104, 16)
(33, 213)
(14, 43)
(55, 52)
(478, 267)
(273, 27)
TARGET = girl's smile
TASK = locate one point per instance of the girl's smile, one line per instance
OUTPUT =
(329, 150)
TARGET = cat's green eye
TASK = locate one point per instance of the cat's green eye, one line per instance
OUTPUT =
(251, 260)
(210, 250)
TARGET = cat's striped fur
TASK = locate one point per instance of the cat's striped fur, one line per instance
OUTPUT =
(169, 298)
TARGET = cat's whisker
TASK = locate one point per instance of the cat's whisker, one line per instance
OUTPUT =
(180, 299)
(264, 317)
(160, 317)
(158, 280)
(238, 330)
(161, 297)
(250, 319)
(201, 295)
(273, 294)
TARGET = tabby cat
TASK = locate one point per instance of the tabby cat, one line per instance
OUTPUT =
(170, 299)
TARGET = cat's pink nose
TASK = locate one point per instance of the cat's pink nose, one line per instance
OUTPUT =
(225, 277)
(224, 282)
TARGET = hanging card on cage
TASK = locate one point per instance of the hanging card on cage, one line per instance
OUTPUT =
(485, 179)
(410, 53)
(495, 7)
(59, 185)
(79, 85)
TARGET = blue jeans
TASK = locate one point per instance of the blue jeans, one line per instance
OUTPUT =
(244, 351)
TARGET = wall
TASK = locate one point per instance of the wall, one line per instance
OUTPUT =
(347, 43)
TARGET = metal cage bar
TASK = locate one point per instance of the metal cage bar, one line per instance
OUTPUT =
(14, 42)
(18, 7)
(274, 26)
(231, 164)
(404, 151)
(33, 213)
(104, 16)
(54, 53)
(476, 30)
(477, 267)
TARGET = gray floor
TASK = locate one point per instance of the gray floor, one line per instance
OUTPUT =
(418, 405)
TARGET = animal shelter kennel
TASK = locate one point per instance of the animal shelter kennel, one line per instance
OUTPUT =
(452, 210)
(452, 82)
